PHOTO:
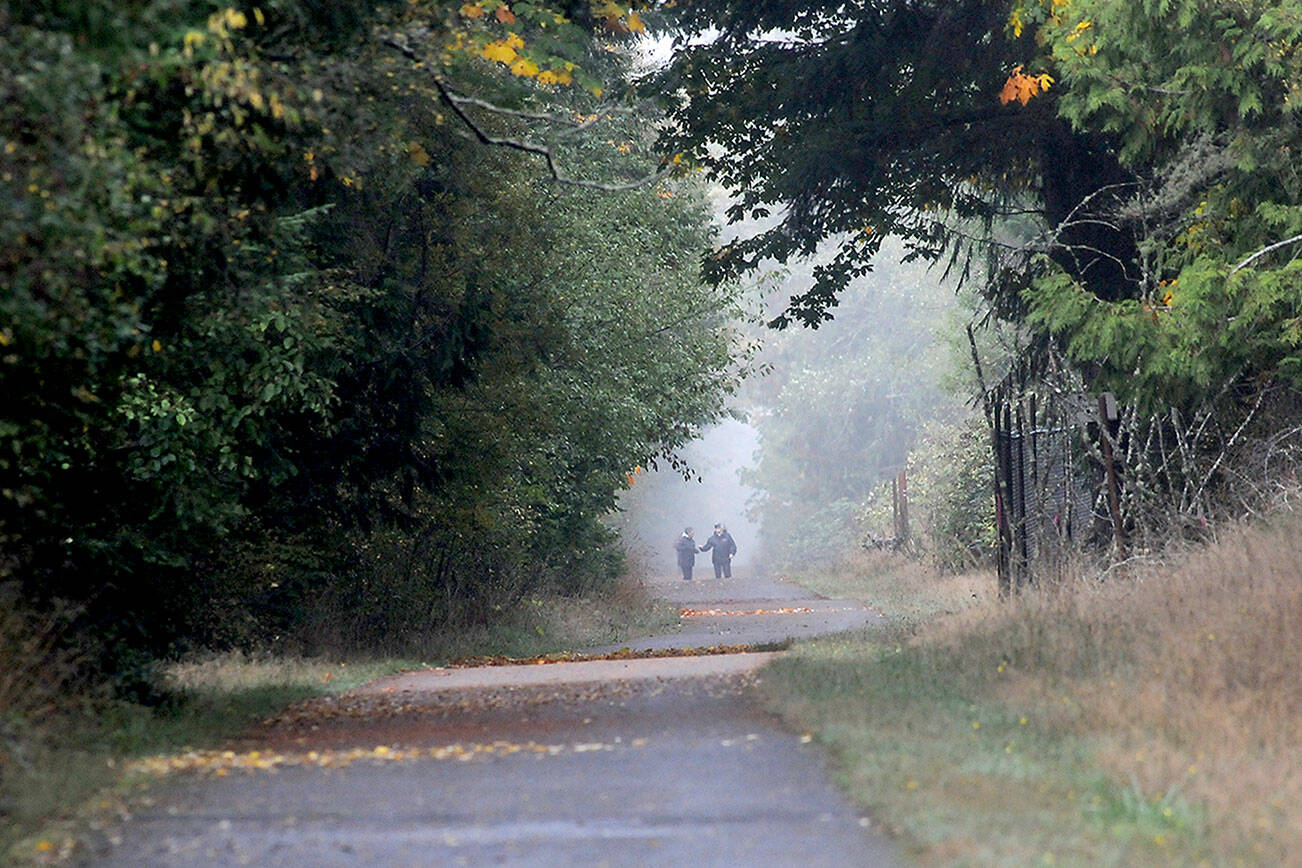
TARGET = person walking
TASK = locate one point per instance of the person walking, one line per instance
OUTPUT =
(721, 547)
(686, 548)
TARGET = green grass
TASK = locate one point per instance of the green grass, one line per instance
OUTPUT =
(963, 780)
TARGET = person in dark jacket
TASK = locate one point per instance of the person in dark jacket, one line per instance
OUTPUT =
(721, 548)
(686, 548)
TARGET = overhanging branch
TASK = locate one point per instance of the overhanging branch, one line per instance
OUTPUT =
(457, 104)
(1263, 251)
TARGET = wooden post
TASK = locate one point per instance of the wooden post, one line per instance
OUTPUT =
(1036, 498)
(1019, 526)
(1106, 404)
(895, 511)
(1003, 499)
(902, 485)
(996, 449)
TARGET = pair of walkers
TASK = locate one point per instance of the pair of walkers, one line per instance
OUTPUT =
(720, 545)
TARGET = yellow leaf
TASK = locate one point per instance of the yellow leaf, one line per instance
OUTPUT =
(418, 154)
(472, 10)
(157, 346)
(500, 52)
(524, 68)
(635, 24)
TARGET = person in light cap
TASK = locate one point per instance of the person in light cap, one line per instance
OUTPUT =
(721, 547)
(686, 548)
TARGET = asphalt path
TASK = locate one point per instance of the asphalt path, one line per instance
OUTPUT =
(664, 761)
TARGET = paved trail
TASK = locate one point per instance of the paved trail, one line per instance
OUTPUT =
(650, 762)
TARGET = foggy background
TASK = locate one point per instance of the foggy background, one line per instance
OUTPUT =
(836, 416)
(661, 503)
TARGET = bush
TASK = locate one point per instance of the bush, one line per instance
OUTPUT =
(951, 507)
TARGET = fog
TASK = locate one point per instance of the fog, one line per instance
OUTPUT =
(661, 503)
(835, 417)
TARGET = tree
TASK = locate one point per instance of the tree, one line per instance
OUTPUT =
(905, 136)
(1126, 172)
(272, 307)
(843, 407)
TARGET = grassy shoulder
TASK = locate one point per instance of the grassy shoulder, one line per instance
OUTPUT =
(65, 755)
(1152, 718)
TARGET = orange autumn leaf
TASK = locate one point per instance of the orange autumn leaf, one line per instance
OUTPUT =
(505, 15)
(1022, 87)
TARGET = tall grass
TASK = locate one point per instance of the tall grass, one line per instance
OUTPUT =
(42, 696)
(1148, 716)
(1186, 674)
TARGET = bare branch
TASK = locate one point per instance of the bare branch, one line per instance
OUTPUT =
(1262, 252)
(457, 103)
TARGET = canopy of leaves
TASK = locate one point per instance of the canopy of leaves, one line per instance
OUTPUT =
(272, 313)
(903, 135)
(1203, 100)
(1126, 171)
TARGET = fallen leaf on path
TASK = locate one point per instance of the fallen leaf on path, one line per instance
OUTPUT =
(800, 610)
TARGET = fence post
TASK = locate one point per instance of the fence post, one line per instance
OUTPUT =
(903, 488)
(1107, 413)
(1004, 499)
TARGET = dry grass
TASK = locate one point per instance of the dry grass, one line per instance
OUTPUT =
(1151, 717)
(1184, 674)
(43, 762)
(233, 671)
(906, 590)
